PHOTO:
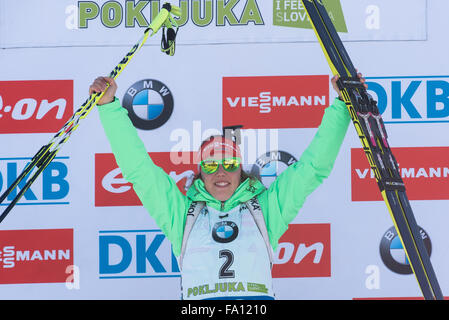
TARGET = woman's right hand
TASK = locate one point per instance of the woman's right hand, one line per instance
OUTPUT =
(100, 85)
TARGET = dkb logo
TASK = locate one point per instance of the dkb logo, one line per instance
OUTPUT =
(136, 254)
(411, 99)
(51, 187)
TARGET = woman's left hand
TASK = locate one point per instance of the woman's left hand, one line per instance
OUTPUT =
(335, 86)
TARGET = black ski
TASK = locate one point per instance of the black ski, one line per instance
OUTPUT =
(371, 131)
(41, 160)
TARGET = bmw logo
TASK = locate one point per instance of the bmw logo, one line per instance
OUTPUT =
(271, 164)
(149, 103)
(393, 254)
(225, 231)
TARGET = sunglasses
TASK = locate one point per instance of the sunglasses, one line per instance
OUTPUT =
(229, 164)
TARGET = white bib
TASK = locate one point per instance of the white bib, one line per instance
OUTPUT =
(226, 257)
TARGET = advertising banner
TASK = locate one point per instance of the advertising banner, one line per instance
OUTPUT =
(81, 232)
(105, 23)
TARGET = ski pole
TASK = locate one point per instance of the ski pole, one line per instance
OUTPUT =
(48, 152)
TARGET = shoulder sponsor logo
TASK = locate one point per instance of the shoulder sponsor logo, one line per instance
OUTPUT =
(35, 256)
(35, 106)
(425, 171)
(136, 254)
(111, 189)
(50, 188)
(304, 251)
(275, 101)
(411, 99)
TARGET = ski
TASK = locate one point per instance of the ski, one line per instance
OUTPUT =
(48, 152)
(373, 136)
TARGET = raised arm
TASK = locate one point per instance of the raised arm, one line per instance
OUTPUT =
(287, 194)
(156, 190)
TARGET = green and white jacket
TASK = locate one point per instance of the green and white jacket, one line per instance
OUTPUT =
(224, 268)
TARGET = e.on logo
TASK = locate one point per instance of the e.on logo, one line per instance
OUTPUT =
(425, 171)
(303, 251)
(275, 101)
(35, 256)
(111, 189)
(35, 106)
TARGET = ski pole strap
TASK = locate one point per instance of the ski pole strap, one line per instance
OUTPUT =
(168, 24)
(168, 43)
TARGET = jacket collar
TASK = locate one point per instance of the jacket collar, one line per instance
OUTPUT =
(247, 190)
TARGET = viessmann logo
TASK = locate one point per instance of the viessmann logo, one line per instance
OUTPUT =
(304, 251)
(111, 189)
(35, 256)
(275, 101)
(425, 171)
(35, 106)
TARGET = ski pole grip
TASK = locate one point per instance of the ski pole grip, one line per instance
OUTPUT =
(176, 11)
(163, 15)
(157, 23)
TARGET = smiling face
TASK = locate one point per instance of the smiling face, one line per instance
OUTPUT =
(221, 184)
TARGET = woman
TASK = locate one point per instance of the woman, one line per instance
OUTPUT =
(224, 254)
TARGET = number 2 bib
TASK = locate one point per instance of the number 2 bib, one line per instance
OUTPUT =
(226, 257)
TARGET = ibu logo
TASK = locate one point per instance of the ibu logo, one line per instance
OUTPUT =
(411, 99)
(136, 254)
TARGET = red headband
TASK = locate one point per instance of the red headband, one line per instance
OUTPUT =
(219, 145)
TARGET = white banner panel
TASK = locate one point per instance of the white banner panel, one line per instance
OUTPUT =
(81, 233)
(49, 23)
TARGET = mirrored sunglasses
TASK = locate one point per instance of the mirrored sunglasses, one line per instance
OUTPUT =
(229, 164)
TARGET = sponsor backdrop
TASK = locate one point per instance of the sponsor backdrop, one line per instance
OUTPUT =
(80, 232)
